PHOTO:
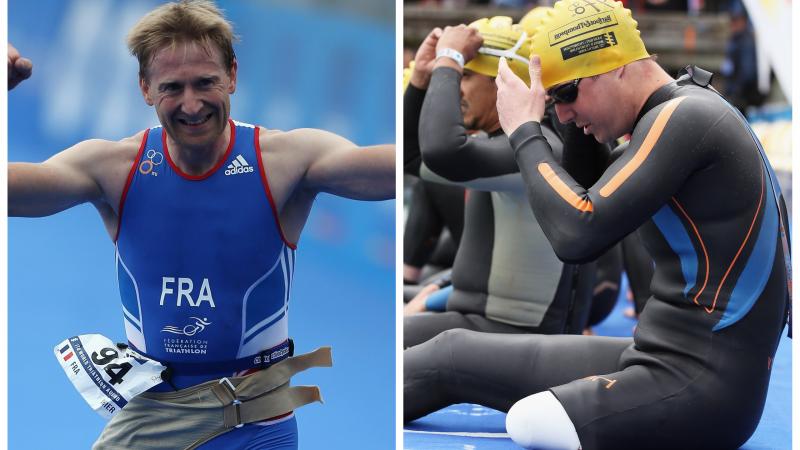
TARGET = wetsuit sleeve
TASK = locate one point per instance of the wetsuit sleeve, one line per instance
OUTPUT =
(412, 105)
(447, 149)
(581, 223)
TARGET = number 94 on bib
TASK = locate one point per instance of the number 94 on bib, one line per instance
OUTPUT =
(106, 375)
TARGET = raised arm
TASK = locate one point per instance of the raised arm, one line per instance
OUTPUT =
(581, 222)
(447, 149)
(413, 97)
(452, 155)
(339, 167)
(487, 163)
(63, 181)
(91, 171)
(412, 105)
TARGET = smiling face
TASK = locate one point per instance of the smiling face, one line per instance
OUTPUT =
(601, 108)
(190, 89)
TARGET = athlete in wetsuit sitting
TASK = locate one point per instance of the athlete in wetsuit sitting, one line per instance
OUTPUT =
(196, 295)
(695, 374)
(506, 277)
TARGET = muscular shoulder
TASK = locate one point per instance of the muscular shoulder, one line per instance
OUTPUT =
(101, 151)
(692, 111)
(109, 162)
(687, 127)
(125, 151)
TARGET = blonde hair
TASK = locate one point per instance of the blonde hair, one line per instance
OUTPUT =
(180, 22)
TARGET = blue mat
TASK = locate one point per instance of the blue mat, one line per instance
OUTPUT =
(467, 426)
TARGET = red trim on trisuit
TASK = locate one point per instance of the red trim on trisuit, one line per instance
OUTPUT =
(268, 191)
(213, 169)
(129, 181)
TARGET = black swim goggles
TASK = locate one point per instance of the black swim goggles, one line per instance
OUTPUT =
(566, 93)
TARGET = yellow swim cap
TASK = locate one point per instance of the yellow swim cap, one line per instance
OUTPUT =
(533, 19)
(407, 75)
(583, 38)
(501, 38)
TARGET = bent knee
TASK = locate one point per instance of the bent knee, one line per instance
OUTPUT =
(433, 353)
(456, 338)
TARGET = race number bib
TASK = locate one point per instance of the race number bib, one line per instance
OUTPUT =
(105, 375)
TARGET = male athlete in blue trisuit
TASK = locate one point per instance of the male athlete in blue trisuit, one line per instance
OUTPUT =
(226, 201)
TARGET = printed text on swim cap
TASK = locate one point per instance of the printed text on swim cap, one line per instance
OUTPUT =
(588, 45)
(583, 26)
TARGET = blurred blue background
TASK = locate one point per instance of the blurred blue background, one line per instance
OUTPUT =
(299, 66)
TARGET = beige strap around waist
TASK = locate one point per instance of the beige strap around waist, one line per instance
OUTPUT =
(190, 417)
(274, 376)
(266, 393)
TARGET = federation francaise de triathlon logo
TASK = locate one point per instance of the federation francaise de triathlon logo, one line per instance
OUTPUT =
(189, 330)
(239, 165)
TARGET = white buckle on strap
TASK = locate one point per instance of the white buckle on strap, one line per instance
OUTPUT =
(236, 402)
(225, 380)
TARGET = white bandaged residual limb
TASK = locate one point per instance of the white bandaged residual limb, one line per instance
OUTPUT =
(539, 422)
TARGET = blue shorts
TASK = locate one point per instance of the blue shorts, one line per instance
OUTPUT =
(276, 436)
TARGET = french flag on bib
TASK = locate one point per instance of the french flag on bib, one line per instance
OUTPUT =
(66, 353)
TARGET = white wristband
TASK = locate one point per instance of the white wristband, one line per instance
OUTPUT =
(455, 55)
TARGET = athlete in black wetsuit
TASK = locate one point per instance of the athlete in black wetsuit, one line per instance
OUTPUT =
(695, 374)
(708, 334)
(701, 356)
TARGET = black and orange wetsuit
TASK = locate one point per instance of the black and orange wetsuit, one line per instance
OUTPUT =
(695, 374)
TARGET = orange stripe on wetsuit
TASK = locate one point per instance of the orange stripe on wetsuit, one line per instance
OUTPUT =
(741, 247)
(702, 245)
(585, 204)
(563, 190)
(644, 150)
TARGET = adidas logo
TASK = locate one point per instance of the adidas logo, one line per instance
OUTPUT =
(239, 165)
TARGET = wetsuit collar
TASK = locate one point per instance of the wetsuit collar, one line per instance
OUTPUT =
(658, 97)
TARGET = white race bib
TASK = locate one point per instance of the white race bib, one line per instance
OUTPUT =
(106, 376)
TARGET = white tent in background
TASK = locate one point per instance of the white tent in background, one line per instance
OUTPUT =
(772, 21)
